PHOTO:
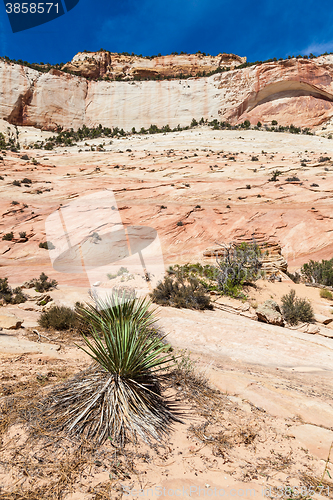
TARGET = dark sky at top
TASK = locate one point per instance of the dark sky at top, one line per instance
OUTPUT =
(256, 29)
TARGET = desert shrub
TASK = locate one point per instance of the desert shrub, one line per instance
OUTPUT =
(176, 291)
(48, 245)
(294, 178)
(26, 181)
(326, 294)
(58, 317)
(16, 183)
(323, 159)
(254, 158)
(120, 272)
(42, 284)
(318, 272)
(275, 175)
(8, 236)
(296, 310)
(238, 265)
(23, 234)
(296, 277)
(10, 296)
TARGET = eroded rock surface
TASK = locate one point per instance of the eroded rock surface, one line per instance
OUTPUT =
(295, 91)
(269, 312)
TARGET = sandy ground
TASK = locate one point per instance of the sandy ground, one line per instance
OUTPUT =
(270, 424)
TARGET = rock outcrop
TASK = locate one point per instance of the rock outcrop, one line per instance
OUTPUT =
(269, 312)
(10, 321)
(295, 91)
(272, 260)
(128, 67)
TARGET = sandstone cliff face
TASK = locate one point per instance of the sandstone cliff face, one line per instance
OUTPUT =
(291, 91)
(113, 65)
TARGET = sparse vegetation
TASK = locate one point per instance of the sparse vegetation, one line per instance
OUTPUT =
(58, 318)
(296, 310)
(119, 396)
(8, 236)
(326, 294)
(239, 264)
(181, 292)
(42, 284)
(294, 178)
(120, 272)
(323, 159)
(48, 245)
(295, 277)
(10, 296)
(318, 272)
(275, 175)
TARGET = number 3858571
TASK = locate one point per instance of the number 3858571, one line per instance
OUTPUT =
(31, 8)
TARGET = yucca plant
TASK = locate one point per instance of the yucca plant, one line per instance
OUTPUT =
(119, 395)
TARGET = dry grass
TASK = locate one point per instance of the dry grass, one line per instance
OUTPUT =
(87, 406)
(42, 464)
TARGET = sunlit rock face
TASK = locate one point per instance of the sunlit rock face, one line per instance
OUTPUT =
(293, 91)
(127, 67)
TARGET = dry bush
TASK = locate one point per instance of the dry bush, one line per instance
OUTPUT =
(59, 318)
(180, 293)
(326, 294)
(296, 310)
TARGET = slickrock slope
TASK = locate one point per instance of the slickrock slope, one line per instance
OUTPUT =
(207, 181)
(296, 91)
(113, 65)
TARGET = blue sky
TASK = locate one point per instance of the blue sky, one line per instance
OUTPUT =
(256, 29)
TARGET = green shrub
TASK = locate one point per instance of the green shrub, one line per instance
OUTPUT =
(239, 264)
(23, 234)
(176, 291)
(10, 296)
(120, 272)
(8, 236)
(59, 318)
(294, 178)
(318, 272)
(296, 277)
(26, 181)
(16, 183)
(326, 294)
(48, 245)
(275, 175)
(42, 284)
(296, 310)
(120, 395)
